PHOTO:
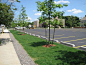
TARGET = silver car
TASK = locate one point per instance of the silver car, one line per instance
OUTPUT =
(18, 28)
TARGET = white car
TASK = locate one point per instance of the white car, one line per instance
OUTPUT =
(19, 28)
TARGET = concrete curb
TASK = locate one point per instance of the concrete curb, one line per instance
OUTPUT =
(33, 34)
(26, 32)
(56, 41)
(37, 36)
(43, 37)
(29, 33)
(68, 44)
(82, 48)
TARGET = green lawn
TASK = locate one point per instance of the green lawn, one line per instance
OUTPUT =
(58, 55)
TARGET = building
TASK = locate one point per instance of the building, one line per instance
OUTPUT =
(83, 20)
(36, 23)
(60, 20)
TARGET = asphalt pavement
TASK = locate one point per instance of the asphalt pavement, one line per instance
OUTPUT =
(74, 36)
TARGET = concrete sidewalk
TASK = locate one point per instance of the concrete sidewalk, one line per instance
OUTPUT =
(8, 54)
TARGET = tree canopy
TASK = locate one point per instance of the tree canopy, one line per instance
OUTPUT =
(48, 7)
(6, 12)
(71, 21)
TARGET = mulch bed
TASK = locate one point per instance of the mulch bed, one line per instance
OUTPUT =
(23, 34)
(50, 45)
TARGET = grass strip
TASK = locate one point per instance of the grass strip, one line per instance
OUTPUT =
(58, 55)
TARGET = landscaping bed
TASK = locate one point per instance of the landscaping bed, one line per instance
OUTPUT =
(55, 55)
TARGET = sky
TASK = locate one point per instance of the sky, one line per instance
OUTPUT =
(75, 8)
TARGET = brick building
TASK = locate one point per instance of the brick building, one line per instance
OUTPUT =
(36, 23)
(83, 20)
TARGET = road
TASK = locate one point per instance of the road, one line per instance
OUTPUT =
(74, 36)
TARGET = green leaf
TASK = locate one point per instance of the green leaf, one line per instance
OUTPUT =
(14, 8)
(18, 1)
(59, 5)
(65, 5)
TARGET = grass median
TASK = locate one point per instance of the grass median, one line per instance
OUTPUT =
(57, 55)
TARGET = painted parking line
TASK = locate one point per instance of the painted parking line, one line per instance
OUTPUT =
(79, 46)
(64, 37)
(59, 35)
(75, 40)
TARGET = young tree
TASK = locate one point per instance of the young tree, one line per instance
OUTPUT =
(55, 22)
(48, 7)
(13, 24)
(43, 20)
(60, 23)
(23, 16)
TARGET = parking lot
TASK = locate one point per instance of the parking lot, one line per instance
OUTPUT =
(74, 36)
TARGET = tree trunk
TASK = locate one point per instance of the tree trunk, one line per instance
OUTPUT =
(49, 28)
(23, 25)
(53, 34)
(46, 35)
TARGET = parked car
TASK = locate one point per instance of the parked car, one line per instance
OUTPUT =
(19, 28)
(32, 27)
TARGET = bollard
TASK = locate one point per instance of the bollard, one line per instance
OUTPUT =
(2, 29)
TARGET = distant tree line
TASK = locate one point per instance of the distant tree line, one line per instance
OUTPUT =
(71, 21)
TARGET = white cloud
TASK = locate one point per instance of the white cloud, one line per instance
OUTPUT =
(69, 10)
(29, 18)
(37, 14)
(12, 1)
(36, 19)
(34, 10)
(31, 21)
(61, 1)
(75, 11)
(40, 11)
